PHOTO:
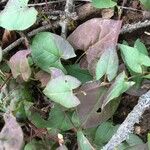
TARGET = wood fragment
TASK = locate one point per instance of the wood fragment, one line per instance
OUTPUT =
(127, 126)
(68, 11)
(128, 28)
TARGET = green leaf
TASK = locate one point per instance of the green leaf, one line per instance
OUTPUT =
(47, 49)
(107, 64)
(58, 119)
(35, 145)
(134, 140)
(17, 15)
(132, 143)
(134, 58)
(148, 136)
(103, 3)
(119, 86)
(146, 3)
(140, 47)
(82, 74)
(60, 89)
(83, 142)
(147, 76)
(104, 132)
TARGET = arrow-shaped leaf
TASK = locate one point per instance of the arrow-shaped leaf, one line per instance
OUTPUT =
(60, 90)
(134, 59)
(119, 86)
(107, 64)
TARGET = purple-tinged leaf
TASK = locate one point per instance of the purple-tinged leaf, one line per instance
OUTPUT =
(95, 36)
(19, 64)
(55, 72)
(43, 77)
(11, 136)
(91, 97)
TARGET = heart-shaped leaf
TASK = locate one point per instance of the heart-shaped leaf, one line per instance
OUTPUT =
(133, 58)
(19, 64)
(95, 40)
(60, 90)
(17, 15)
(107, 64)
(103, 3)
(47, 49)
(119, 86)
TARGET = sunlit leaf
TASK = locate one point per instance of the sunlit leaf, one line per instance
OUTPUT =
(11, 135)
(17, 15)
(47, 50)
(107, 64)
(83, 142)
(120, 85)
(19, 64)
(103, 3)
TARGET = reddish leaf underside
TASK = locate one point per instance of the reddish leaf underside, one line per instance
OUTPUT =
(19, 64)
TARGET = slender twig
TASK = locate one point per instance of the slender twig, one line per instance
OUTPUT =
(13, 45)
(5, 82)
(128, 28)
(41, 4)
(68, 11)
(130, 8)
(30, 34)
(127, 126)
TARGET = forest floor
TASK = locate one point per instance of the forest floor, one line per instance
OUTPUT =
(131, 12)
